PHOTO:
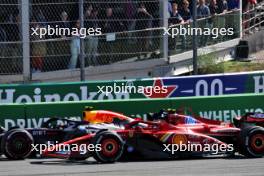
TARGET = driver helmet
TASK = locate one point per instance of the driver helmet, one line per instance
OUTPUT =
(161, 115)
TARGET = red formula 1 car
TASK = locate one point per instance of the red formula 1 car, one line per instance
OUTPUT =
(169, 136)
(250, 119)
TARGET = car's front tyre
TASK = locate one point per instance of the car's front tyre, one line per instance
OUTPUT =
(112, 147)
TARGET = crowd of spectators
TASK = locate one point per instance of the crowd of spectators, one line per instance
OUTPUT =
(111, 18)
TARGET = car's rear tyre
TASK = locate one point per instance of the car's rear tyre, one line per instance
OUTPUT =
(112, 147)
(16, 144)
(253, 142)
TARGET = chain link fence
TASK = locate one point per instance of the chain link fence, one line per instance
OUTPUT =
(216, 24)
(253, 18)
(10, 38)
(119, 31)
(51, 52)
(253, 30)
(125, 31)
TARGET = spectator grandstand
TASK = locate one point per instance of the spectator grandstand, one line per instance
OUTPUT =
(132, 30)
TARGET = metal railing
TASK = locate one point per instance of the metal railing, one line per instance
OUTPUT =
(253, 19)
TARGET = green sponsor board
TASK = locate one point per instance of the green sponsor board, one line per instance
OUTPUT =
(222, 108)
(12, 113)
(209, 85)
(36, 93)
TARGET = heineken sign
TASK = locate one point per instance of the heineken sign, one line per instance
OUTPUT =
(130, 89)
(36, 95)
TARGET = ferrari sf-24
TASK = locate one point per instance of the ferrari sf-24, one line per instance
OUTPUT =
(158, 139)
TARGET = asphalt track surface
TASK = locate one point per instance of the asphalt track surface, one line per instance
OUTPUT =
(238, 166)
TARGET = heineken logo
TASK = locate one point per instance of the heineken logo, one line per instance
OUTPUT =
(9, 96)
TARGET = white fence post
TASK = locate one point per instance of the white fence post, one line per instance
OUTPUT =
(164, 16)
(24, 13)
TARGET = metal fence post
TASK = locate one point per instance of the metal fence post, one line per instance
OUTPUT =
(24, 13)
(241, 19)
(82, 63)
(164, 16)
(194, 38)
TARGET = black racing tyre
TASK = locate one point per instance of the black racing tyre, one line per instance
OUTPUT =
(112, 147)
(16, 144)
(252, 139)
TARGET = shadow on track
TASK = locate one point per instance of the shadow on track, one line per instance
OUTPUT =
(62, 162)
(239, 157)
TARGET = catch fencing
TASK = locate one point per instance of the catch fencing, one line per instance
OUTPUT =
(128, 31)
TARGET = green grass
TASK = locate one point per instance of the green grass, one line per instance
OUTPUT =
(232, 66)
(236, 66)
